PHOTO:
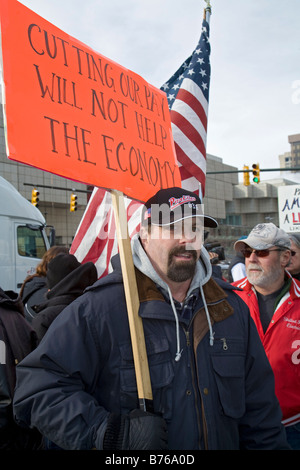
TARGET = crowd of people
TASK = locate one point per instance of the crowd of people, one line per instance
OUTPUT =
(223, 355)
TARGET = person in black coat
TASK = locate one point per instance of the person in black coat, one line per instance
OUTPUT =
(17, 340)
(66, 280)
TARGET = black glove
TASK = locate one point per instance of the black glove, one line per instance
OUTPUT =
(138, 430)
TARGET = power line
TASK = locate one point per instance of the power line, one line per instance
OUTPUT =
(87, 191)
(250, 171)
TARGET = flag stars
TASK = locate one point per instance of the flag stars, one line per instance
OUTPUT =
(195, 69)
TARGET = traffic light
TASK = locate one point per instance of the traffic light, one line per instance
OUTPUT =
(35, 197)
(256, 173)
(73, 203)
(246, 176)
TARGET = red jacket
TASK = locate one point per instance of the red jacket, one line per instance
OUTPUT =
(282, 345)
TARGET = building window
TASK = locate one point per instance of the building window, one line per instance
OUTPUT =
(233, 219)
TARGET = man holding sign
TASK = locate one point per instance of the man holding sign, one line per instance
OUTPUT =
(212, 385)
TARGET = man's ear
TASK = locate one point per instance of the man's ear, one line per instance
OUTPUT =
(144, 236)
(286, 258)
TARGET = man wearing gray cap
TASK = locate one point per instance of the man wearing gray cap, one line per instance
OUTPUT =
(273, 298)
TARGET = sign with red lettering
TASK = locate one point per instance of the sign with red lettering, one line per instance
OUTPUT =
(73, 112)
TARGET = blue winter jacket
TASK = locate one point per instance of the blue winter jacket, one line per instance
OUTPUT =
(215, 397)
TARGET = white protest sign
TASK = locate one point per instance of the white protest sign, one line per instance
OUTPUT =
(289, 208)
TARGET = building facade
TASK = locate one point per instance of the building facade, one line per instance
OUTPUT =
(291, 159)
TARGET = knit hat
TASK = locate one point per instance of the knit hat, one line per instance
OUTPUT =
(171, 205)
(263, 237)
(59, 267)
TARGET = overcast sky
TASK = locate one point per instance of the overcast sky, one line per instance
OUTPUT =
(255, 61)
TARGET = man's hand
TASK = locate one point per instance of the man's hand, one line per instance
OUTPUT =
(138, 430)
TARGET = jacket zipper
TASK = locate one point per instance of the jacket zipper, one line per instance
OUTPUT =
(204, 424)
(225, 346)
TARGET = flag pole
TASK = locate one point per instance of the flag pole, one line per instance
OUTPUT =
(132, 301)
(207, 11)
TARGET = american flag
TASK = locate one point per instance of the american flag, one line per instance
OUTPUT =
(187, 92)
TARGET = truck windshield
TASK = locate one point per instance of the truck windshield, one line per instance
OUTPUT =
(30, 241)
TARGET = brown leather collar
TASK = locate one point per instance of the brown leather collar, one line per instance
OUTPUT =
(146, 288)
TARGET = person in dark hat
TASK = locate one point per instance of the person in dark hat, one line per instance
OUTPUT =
(66, 280)
(211, 382)
(34, 288)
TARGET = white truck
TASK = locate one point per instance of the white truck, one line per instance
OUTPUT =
(23, 238)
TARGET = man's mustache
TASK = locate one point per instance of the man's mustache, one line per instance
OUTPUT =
(254, 266)
(182, 250)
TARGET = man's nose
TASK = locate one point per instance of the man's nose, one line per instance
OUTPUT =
(191, 239)
(188, 236)
(253, 256)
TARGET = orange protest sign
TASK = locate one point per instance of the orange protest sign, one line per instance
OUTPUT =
(73, 112)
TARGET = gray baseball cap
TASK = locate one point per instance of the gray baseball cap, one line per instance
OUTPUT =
(263, 237)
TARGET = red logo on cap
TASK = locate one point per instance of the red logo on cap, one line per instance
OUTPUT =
(175, 202)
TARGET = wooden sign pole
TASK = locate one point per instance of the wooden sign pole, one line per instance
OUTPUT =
(132, 302)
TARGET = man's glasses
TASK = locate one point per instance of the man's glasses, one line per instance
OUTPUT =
(260, 253)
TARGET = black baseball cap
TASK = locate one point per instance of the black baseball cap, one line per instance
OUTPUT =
(171, 205)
